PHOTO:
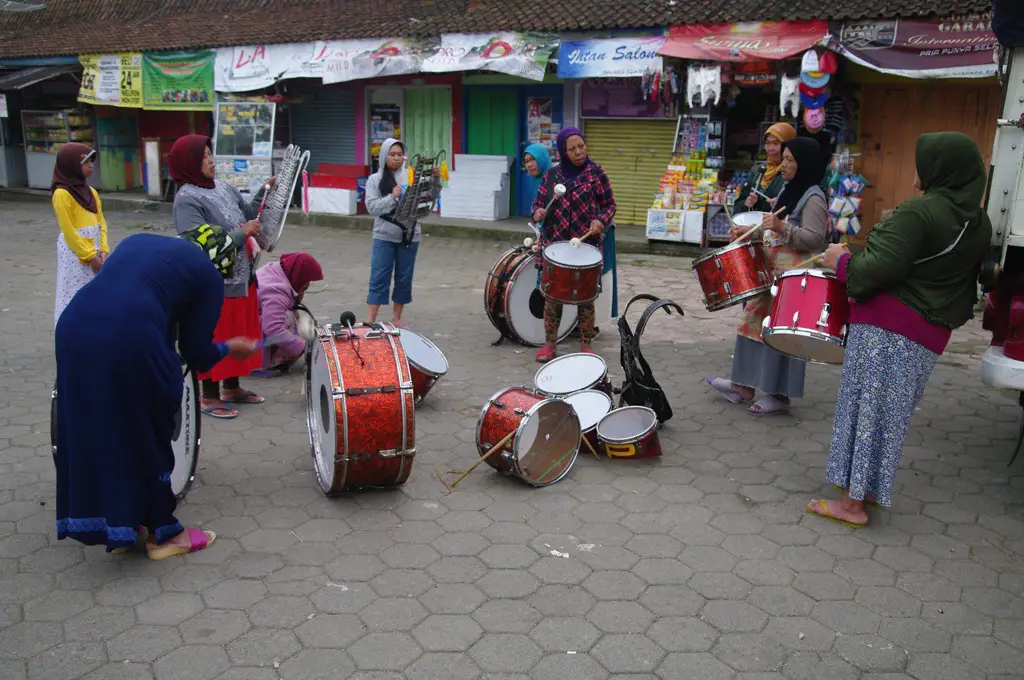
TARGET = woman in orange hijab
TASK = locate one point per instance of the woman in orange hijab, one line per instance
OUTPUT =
(765, 179)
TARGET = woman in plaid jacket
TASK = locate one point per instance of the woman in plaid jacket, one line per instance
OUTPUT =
(588, 206)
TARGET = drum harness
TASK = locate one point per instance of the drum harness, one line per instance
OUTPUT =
(640, 388)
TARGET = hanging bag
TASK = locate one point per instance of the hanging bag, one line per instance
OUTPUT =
(640, 388)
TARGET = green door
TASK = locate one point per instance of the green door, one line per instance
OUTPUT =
(428, 120)
(492, 128)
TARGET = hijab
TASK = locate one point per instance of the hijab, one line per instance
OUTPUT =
(217, 244)
(388, 179)
(784, 132)
(570, 171)
(186, 160)
(543, 158)
(301, 269)
(68, 175)
(810, 171)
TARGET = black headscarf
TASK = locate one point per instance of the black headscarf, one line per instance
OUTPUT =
(810, 171)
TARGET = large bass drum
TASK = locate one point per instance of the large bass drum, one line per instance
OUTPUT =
(359, 408)
(185, 443)
(514, 303)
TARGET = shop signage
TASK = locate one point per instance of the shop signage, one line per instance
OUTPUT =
(609, 57)
(516, 54)
(953, 47)
(342, 61)
(178, 81)
(753, 41)
(111, 80)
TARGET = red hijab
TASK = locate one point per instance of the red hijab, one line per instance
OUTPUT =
(68, 175)
(301, 269)
(187, 160)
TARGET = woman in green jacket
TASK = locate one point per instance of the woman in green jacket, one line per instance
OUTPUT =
(767, 178)
(911, 286)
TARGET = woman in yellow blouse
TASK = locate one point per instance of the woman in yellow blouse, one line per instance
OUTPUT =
(82, 245)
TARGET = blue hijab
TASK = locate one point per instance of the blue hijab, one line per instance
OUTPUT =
(543, 158)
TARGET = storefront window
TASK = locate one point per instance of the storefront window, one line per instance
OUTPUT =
(620, 98)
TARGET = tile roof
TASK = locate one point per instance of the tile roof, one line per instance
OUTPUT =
(68, 27)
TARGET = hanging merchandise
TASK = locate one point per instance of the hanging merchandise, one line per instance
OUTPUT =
(711, 91)
(789, 97)
(844, 192)
(693, 86)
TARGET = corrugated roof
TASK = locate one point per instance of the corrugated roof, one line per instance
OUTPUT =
(88, 26)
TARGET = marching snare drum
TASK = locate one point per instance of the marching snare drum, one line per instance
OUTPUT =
(630, 432)
(546, 441)
(590, 407)
(185, 441)
(571, 274)
(809, 316)
(571, 373)
(426, 362)
(732, 274)
(359, 408)
(510, 283)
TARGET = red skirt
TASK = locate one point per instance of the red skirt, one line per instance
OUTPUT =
(239, 317)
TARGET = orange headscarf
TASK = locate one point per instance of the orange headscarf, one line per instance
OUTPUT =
(784, 132)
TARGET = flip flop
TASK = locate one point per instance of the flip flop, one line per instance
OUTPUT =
(829, 516)
(873, 504)
(545, 354)
(246, 397)
(198, 540)
(143, 534)
(225, 413)
(768, 406)
(724, 387)
(266, 373)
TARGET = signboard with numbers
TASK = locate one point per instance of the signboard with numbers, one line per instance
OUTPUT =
(111, 79)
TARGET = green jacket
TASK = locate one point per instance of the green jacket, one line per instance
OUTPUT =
(773, 190)
(942, 290)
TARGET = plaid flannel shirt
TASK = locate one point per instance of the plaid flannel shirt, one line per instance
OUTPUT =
(588, 197)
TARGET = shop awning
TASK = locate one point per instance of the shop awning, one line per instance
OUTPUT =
(920, 48)
(754, 41)
(30, 76)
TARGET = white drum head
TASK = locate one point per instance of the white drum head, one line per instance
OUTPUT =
(626, 424)
(591, 406)
(585, 255)
(748, 219)
(423, 353)
(527, 326)
(323, 426)
(185, 440)
(570, 373)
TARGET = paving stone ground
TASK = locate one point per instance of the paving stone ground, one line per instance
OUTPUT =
(701, 564)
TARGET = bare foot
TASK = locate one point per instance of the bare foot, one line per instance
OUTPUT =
(844, 509)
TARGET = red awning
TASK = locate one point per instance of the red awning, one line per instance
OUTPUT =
(752, 41)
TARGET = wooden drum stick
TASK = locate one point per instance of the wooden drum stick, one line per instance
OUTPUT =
(494, 449)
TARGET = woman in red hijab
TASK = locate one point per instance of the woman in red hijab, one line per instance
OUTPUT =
(82, 244)
(203, 199)
(282, 285)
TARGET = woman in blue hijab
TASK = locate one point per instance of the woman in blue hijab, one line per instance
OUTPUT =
(536, 161)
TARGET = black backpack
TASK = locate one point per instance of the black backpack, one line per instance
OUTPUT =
(640, 388)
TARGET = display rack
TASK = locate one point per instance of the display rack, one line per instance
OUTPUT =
(45, 132)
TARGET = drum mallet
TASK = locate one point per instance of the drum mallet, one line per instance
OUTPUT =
(494, 449)
(753, 228)
(809, 261)
(559, 192)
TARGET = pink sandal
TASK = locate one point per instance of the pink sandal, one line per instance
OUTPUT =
(198, 540)
(546, 353)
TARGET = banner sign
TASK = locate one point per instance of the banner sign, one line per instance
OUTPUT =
(348, 60)
(609, 57)
(516, 54)
(111, 80)
(952, 47)
(178, 81)
(753, 41)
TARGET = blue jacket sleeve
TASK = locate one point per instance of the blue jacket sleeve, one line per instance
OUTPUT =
(195, 334)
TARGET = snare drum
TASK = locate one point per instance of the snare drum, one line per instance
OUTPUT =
(571, 373)
(359, 408)
(546, 441)
(511, 283)
(732, 274)
(571, 275)
(185, 441)
(630, 432)
(590, 407)
(426, 362)
(809, 316)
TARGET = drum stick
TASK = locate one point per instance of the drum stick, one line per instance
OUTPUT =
(494, 449)
(753, 228)
(809, 261)
(591, 447)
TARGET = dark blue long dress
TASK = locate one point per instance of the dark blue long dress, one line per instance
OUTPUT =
(119, 385)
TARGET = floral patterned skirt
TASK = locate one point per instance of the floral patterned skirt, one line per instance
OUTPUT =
(72, 274)
(883, 380)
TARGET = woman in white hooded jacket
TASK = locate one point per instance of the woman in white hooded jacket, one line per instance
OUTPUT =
(394, 247)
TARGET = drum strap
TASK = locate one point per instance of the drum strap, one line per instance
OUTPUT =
(640, 387)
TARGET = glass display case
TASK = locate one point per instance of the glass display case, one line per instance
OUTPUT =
(44, 133)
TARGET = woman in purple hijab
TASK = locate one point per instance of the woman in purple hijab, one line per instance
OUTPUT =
(587, 207)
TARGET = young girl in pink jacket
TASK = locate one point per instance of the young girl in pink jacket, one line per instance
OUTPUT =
(281, 287)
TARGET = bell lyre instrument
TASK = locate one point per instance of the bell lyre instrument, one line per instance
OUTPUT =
(275, 207)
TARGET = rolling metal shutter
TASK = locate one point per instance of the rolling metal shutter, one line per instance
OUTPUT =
(325, 123)
(635, 154)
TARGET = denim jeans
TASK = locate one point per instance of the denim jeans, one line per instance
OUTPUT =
(386, 258)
